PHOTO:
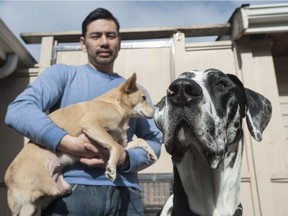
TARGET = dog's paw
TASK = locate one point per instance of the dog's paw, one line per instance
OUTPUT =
(110, 173)
(66, 191)
(151, 156)
(63, 187)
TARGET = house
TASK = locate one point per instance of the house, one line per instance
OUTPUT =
(253, 45)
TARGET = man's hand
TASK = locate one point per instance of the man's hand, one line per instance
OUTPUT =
(103, 156)
(90, 154)
(100, 158)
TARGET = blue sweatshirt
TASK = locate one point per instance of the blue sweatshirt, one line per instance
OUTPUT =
(62, 85)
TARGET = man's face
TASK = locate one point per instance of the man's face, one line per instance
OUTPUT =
(102, 44)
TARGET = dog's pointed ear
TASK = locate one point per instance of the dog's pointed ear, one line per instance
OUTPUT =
(258, 113)
(130, 85)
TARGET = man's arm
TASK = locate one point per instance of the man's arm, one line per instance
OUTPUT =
(146, 130)
(27, 113)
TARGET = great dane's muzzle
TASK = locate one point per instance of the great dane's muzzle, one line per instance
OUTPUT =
(183, 92)
(180, 106)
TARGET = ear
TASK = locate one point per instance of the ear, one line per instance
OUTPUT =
(130, 85)
(159, 114)
(119, 45)
(83, 44)
(258, 113)
(258, 109)
(242, 95)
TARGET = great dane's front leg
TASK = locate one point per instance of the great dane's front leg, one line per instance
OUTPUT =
(99, 134)
(141, 143)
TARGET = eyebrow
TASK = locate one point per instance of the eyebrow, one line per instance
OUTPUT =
(104, 32)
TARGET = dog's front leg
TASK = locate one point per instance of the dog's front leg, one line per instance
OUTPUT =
(141, 143)
(99, 134)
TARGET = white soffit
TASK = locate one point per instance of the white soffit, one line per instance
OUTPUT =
(259, 19)
(10, 45)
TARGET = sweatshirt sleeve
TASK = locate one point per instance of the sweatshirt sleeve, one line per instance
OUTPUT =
(138, 157)
(145, 129)
(27, 113)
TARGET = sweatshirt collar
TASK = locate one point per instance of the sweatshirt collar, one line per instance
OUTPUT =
(101, 74)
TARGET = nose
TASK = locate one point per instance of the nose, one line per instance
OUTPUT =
(104, 40)
(183, 91)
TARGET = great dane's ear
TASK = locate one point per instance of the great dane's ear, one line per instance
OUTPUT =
(258, 113)
(159, 114)
(258, 109)
(242, 95)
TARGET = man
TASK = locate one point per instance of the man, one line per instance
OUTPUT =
(62, 85)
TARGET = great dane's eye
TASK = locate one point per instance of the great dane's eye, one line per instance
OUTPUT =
(222, 84)
(144, 98)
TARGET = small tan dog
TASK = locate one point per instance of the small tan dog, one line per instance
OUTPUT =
(35, 177)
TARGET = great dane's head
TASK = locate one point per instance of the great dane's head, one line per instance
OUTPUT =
(205, 109)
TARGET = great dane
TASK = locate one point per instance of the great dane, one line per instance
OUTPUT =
(201, 121)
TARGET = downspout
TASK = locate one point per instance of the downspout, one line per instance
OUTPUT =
(10, 65)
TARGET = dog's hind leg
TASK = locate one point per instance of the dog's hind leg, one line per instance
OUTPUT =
(13, 202)
(44, 186)
(141, 143)
(28, 209)
(10, 199)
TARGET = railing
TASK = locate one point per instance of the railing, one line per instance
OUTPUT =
(156, 190)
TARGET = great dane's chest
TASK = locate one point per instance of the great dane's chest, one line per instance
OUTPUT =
(210, 192)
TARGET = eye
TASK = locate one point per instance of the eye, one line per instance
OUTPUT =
(95, 35)
(222, 84)
(111, 35)
(144, 98)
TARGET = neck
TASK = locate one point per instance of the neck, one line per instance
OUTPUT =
(107, 69)
(211, 192)
(115, 96)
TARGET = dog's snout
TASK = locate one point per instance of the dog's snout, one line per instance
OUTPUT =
(183, 91)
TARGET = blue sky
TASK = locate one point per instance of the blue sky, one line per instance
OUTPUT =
(44, 16)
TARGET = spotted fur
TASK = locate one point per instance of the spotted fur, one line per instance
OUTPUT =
(201, 121)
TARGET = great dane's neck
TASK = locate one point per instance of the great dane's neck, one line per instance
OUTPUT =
(211, 192)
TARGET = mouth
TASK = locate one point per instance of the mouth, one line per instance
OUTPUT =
(177, 144)
(104, 53)
(148, 116)
(214, 160)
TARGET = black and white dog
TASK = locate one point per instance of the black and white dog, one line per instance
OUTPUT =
(201, 121)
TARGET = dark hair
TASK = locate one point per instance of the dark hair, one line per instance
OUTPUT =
(99, 13)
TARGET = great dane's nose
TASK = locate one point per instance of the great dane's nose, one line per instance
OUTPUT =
(183, 91)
